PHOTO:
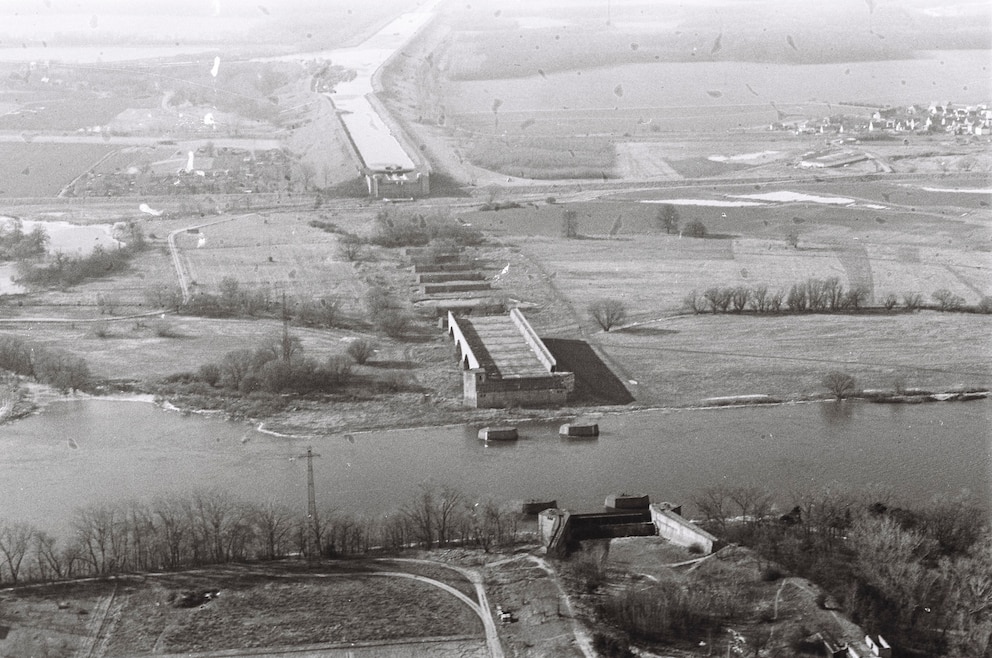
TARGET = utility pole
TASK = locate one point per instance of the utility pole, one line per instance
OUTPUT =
(313, 523)
(286, 347)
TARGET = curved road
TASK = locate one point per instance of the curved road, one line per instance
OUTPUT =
(481, 608)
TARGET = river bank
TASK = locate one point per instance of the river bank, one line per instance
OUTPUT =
(416, 411)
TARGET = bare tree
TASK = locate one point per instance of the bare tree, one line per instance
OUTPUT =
(912, 301)
(856, 297)
(48, 557)
(715, 504)
(235, 366)
(608, 313)
(840, 384)
(446, 516)
(273, 526)
(15, 540)
(718, 298)
(759, 298)
(792, 238)
(947, 300)
(833, 293)
(775, 301)
(739, 296)
(694, 302)
(419, 513)
(798, 298)
(668, 218)
(361, 350)
(890, 301)
(350, 247)
(695, 229)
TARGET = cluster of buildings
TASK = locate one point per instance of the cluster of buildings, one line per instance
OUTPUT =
(944, 118)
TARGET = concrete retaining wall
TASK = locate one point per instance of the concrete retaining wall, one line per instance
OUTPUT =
(536, 344)
(466, 355)
(680, 531)
(445, 277)
(515, 392)
(428, 268)
(459, 286)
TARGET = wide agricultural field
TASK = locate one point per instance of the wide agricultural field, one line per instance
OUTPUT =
(275, 608)
(684, 360)
(672, 357)
(39, 170)
(279, 252)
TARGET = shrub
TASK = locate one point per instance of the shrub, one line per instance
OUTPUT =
(608, 313)
(164, 329)
(610, 646)
(912, 300)
(985, 304)
(840, 384)
(947, 301)
(890, 301)
(361, 350)
(377, 301)
(693, 302)
(393, 322)
(209, 373)
(696, 548)
(350, 248)
(323, 312)
(694, 229)
(771, 574)
(101, 330)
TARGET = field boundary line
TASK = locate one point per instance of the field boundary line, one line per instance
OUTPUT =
(308, 648)
(65, 188)
(177, 260)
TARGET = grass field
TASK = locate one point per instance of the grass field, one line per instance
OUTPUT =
(674, 359)
(41, 170)
(684, 360)
(280, 252)
(256, 608)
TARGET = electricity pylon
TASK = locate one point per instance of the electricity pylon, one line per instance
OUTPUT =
(313, 524)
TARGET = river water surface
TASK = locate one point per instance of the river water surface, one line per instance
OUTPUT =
(94, 451)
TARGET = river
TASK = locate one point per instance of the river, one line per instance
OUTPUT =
(82, 452)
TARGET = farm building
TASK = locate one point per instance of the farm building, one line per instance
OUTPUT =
(506, 364)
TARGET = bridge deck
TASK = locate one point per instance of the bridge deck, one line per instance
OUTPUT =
(499, 345)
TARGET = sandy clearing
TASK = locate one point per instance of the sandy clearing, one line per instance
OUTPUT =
(790, 197)
(706, 202)
(958, 190)
(644, 161)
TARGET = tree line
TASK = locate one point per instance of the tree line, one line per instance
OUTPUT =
(817, 296)
(53, 367)
(213, 527)
(922, 575)
(15, 244)
(233, 300)
(64, 270)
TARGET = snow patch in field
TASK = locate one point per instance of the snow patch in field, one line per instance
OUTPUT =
(706, 202)
(873, 206)
(743, 157)
(786, 197)
(972, 190)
